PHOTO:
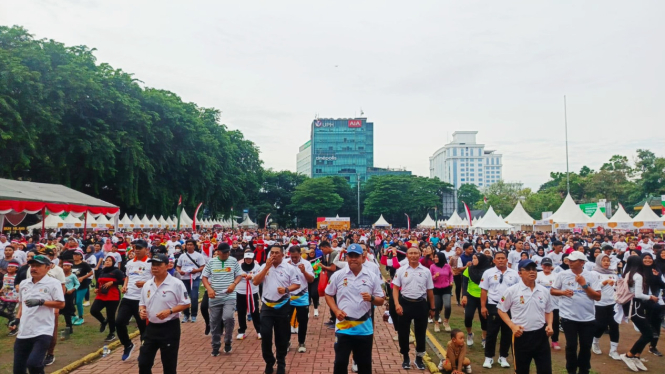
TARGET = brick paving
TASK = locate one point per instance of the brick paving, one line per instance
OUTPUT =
(194, 356)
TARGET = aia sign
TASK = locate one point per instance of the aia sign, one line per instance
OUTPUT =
(355, 123)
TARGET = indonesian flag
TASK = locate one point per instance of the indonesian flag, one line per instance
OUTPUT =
(485, 199)
(408, 222)
(468, 213)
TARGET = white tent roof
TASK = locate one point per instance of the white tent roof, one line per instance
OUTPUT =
(465, 222)
(247, 223)
(184, 219)
(162, 222)
(519, 216)
(145, 221)
(91, 222)
(169, 222)
(491, 221)
(72, 222)
(454, 220)
(125, 222)
(427, 222)
(381, 222)
(621, 216)
(154, 222)
(569, 212)
(647, 215)
(599, 217)
(52, 222)
(136, 221)
(102, 221)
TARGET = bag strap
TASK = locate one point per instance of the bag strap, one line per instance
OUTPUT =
(192, 260)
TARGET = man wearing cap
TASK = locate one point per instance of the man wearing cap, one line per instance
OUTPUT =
(162, 299)
(39, 298)
(279, 279)
(414, 296)
(579, 289)
(494, 282)
(530, 320)
(300, 297)
(546, 279)
(137, 273)
(190, 265)
(220, 277)
(247, 302)
(351, 293)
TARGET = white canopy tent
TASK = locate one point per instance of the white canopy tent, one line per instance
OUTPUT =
(145, 222)
(519, 216)
(90, 221)
(125, 222)
(136, 221)
(647, 219)
(248, 223)
(162, 222)
(71, 222)
(491, 221)
(569, 215)
(427, 223)
(52, 221)
(454, 220)
(620, 219)
(154, 222)
(103, 222)
(599, 219)
(381, 222)
(169, 223)
(184, 220)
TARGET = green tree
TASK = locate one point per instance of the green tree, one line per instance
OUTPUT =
(469, 194)
(315, 198)
(503, 196)
(275, 196)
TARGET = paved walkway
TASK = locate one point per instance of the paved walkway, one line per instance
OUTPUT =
(194, 356)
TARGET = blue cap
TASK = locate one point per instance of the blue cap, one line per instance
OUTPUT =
(355, 248)
(524, 263)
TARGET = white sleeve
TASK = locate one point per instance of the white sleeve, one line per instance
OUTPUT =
(638, 281)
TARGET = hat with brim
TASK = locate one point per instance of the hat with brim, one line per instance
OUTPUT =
(577, 256)
(249, 255)
(40, 259)
(525, 263)
(159, 258)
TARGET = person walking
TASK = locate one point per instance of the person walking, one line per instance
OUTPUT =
(39, 298)
(162, 299)
(580, 289)
(247, 301)
(300, 297)
(546, 279)
(526, 307)
(605, 307)
(83, 271)
(220, 278)
(313, 288)
(279, 279)
(414, 296)
(494, 282)
(471, 279)
(107, 297)
(442, 276)
(190, 265)
(351, 293)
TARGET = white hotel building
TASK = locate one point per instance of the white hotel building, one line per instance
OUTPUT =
(464, 161)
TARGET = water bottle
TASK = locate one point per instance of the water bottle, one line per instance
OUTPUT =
(106, 351)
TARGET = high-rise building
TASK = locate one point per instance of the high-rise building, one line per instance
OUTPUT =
(463, 161)
(341, 147)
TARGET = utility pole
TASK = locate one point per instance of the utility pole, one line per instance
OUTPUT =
(565, 118)
(358, 176)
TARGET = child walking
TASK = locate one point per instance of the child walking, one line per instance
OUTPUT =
(71, 285)
(8, 294)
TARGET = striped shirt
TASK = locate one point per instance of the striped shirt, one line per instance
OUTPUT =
(221, 275)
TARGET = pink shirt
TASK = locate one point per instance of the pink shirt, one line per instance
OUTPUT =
(445, 277)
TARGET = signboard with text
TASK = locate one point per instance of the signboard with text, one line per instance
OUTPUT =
(355, 123)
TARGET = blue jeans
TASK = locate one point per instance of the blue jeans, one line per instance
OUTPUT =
(193, 291)
(80, 295)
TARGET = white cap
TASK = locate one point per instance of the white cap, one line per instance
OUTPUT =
(249, 255)
(577, 256)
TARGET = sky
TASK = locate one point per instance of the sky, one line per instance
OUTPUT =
(419, 70)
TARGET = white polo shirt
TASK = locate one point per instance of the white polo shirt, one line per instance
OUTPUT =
(136, 271)
(169, 294)
(242, 286)
(349, 288)
(579, 307)
(556, 258)
(514, 258)
(607, 291)
(38, 320)
(527, 307)
(495, 284)
(301, 277)
(187, 265)
(282, 275)
(373, 268)
(547, 281)
(413, 282)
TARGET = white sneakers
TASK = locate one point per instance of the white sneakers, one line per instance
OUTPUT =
(240, 337)
(437, 328)
(446, 326)
(302, 348)
(294, 330)
(614, 355)
(469, 339)
(488, 363)
(354, 367)
(639, 364)
(503, 362)
(630, 362)
(258, 336)
(316, 312)
(468, 369)
(595, 348)
(429, 320)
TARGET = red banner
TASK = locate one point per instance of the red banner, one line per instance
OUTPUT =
(355, 123)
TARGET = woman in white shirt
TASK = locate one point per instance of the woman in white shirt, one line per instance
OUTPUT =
(639, 314)
(605, 306)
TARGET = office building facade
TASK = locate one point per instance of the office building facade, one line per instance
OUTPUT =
(304, 159)
(464, 161)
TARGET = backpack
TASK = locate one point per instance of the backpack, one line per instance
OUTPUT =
(623, 294)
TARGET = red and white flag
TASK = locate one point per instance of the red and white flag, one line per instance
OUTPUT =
(468, 213)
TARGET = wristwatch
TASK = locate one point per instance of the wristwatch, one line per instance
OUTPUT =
(371, 299)
(585, 286)
(433, 310)
(170, 310)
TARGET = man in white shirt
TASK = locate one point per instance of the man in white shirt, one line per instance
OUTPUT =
(300, 297)
(190, 265)
(515, 256)
(170, 245)
(39, 297)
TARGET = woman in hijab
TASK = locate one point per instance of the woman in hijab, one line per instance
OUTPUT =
(442, 275)
(653, 279)
(605, 306)
(563, 266)
(471, 291)
(108, 296)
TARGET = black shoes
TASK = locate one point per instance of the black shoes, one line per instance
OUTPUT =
(406, 365)
(110, 338)
(419, 363)
(215, 353)
(655, 351)
(49, 360)
(227, 348)
(102, 327)
(269, 369)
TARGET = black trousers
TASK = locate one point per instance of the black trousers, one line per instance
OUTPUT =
(128, 308)
(162, 337)
(457, 279)
(30, 353)
(532, 345)
(473, 305)
(494, 325)
(313, 290)
(302, 316)
(111, 307)
(579, 363)
(555, 325)
(416, 312)
(605, 318)
(242, 308)
(656, 319)
(205, 303)
(277, 320)
(391, 310)
(360, 346)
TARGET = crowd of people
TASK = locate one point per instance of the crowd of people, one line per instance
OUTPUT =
(523, 288)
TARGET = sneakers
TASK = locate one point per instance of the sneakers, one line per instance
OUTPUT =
(354, 367)
(655, 351)
(396, 337)
(488, 362)
(13, 332)
(639, 364)
(420, 365)
(215, 353)
(406, 365)
(412, 339)
(294, 330)
(87, 303)
(258, 336)
(629, 361)
(49, 360)
(127, 353)
(79, 321)
(228, 348)
(102, 327)
(207, 330)
(316, 312)
(483, 342)
(302, 348)
(595, 348)
(468, 369)
(439, 320)
(469, 339)
(503, 362)
(429, 320)
(269, 369)
(240, 336)
(185, 319)
(281, 369)
(192, 320)
(446, 326)
(614, 355)
(110, 338)
(556, 346)
(437, 328)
